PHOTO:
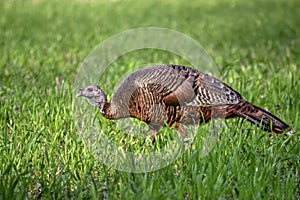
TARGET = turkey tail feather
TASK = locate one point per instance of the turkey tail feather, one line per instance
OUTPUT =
(261, 117)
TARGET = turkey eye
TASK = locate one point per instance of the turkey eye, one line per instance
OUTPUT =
(90, 89)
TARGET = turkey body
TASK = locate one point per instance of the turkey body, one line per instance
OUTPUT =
(179, 95)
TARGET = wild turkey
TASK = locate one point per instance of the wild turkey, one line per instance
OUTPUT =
(178, 95)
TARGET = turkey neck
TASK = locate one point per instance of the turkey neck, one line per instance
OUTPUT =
(111, 111)
(106, 110)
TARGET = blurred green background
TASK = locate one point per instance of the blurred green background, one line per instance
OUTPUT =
(254, 43)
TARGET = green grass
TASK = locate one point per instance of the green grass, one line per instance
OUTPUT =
(255, 45)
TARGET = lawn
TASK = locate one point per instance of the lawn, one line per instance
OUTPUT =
(255, 45)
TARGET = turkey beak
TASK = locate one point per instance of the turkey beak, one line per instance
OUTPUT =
(79, 94)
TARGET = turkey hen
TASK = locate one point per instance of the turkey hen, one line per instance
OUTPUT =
(178, 95)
